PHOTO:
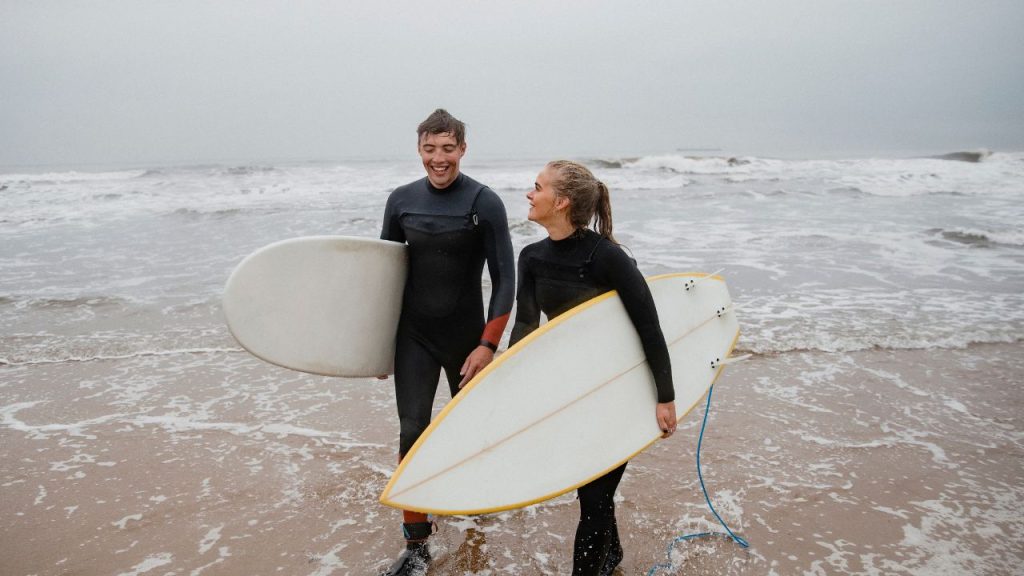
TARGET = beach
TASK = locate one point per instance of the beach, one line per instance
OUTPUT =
(885, 462)
(875, 429)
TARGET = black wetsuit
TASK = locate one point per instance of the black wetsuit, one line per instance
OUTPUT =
(450, 233)
(555, 276)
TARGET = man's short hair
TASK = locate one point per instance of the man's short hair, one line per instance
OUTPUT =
(441, 122)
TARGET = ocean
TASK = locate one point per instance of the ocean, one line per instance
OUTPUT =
(875, 429)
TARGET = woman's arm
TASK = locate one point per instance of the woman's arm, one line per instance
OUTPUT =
(527, 309)
(622, 274)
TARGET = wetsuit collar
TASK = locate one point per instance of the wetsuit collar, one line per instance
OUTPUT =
(569, 242)
(455, 184)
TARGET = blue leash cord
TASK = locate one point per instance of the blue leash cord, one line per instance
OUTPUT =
(734, 537)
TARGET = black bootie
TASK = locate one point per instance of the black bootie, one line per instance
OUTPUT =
(614, 556)
(414, 560)
(612, 560)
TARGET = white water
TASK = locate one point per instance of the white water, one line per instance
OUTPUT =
(823, 254)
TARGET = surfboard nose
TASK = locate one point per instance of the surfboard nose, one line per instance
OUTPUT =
(326, 305)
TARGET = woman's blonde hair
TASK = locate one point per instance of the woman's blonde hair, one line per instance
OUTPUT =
(588, 197)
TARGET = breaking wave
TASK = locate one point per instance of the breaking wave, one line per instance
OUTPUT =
(980, 238)
(967, 156)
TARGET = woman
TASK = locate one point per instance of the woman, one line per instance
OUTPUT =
(572, 265)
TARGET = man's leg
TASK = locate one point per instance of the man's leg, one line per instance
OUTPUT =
(416, 376)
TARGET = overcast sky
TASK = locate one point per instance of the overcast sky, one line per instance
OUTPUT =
(144, 81)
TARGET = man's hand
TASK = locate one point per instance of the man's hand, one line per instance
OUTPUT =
(475, 362)
(666, 415)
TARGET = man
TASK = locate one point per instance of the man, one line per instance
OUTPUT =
(452, 224)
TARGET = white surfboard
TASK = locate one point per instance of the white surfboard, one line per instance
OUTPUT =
(570, 402)
(322, 304)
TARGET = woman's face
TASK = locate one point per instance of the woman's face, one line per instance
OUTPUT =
(546, 207)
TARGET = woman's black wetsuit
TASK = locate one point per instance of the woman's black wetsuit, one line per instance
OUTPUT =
(450, 233)
(555, 276)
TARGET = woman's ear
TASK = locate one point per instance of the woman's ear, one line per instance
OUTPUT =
(561, 203)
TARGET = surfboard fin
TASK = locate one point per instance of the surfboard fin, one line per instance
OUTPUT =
(692, 283)
(723, 310)
(730, 360)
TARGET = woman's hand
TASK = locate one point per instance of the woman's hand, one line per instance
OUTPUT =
(666, 415)
(475, 362)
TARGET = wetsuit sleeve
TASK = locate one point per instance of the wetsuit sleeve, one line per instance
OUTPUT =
(527, 309)
(500, 265)
(391, 230)
(623, 275)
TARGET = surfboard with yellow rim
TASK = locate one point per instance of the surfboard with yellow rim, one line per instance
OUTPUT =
(565, 405)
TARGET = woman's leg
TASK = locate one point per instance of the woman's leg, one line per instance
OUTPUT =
(597, 530)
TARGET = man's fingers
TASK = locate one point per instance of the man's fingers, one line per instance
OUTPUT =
(475, 362)
(468, 371)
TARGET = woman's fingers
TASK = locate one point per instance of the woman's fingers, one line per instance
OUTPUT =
(666, 416)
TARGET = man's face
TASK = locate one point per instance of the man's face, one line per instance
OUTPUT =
(441, 156)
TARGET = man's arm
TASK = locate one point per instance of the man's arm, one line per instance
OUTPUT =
(390, 230)
(501, 266)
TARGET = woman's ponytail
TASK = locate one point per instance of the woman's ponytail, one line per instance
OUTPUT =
(589, 202)
(603, 212)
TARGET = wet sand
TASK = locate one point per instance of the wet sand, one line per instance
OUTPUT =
(873, 462)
